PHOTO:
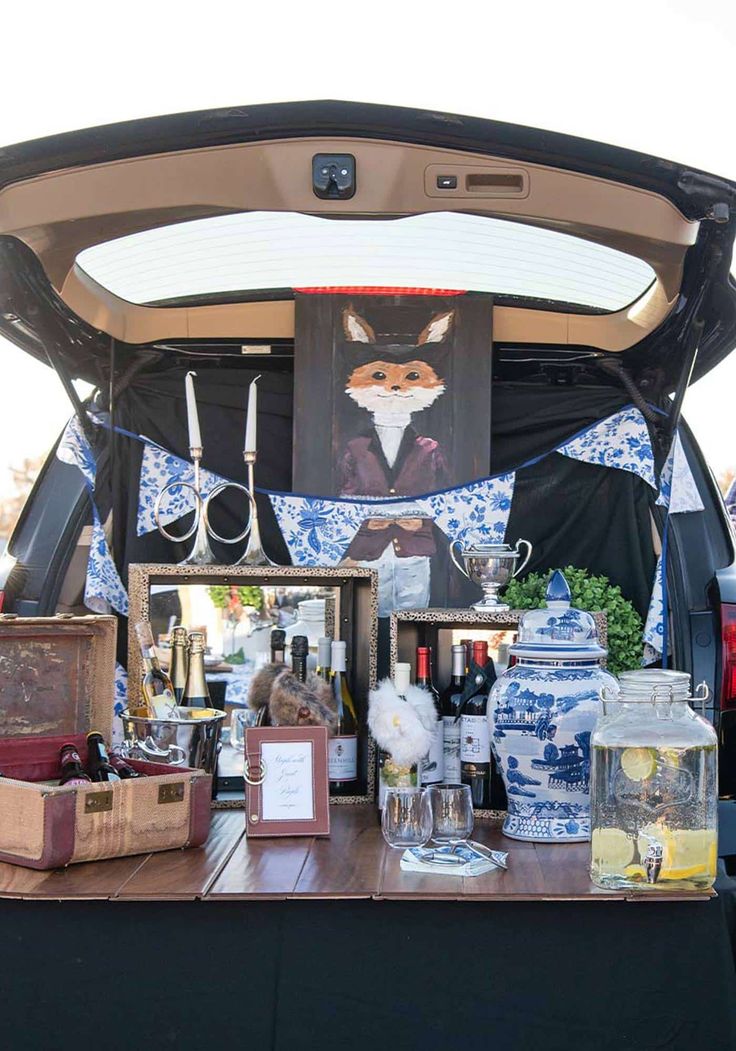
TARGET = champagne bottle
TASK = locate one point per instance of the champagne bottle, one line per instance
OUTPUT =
(278, 646)
(71, 771)
(390, 774)
(432, 767)
(299, 654)
(99, 766)
(179, 660)
(156, 687)
(450, 702)
(324, 659)
(196, 691)
(475, 738)
(343, 747)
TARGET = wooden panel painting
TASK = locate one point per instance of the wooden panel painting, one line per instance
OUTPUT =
(393, 398)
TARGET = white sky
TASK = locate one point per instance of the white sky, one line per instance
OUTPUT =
(655, 75)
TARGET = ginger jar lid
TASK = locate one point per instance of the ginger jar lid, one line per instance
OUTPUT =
(558, 632)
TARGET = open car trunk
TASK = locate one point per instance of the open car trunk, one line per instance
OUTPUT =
(85, 217)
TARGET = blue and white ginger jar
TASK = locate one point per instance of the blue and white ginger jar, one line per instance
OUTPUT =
(542, 712)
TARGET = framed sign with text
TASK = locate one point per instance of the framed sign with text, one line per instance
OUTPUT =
(287, 788)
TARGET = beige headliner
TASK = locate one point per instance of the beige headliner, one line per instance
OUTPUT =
(61, 213)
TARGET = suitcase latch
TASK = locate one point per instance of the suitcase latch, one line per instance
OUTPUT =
(97, 802)
(171, 793)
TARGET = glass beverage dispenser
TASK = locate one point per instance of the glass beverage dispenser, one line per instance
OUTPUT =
(653, 787)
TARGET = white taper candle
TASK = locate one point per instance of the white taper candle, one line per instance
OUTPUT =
(195, 438)
(250, 423)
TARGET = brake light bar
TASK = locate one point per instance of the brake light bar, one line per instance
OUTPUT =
(728, 655)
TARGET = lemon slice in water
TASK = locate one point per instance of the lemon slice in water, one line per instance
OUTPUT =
(612, 849)
(639, 763)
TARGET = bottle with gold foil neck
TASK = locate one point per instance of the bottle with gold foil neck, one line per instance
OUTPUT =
(196, 691)
(157, 693)
(179, 661)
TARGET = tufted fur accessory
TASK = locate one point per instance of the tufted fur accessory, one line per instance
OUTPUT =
(291, 702)
(401, 726)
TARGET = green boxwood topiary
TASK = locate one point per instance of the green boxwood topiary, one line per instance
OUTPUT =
(594, 594)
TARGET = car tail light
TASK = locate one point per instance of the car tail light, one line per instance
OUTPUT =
(728, 656)
(2, 600)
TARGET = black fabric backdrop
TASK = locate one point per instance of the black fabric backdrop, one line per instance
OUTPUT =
(287, 976)
(572, 512)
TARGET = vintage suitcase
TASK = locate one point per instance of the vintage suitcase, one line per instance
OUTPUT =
(56, 684)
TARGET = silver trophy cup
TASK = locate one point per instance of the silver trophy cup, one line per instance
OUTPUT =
(490, 566)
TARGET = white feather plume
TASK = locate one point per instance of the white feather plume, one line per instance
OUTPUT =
(397, 725)
(422, 702)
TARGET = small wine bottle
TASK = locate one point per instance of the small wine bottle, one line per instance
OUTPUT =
(343, 747)
(475, 738)
(432, 767)
(99, 766)
(123, 769)
(324, 658)
(179, 660)
(450, 701)
(71, 771)
(156, 686)
(196, 691)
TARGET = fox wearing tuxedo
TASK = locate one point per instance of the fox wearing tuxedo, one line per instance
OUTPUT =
(392, 458)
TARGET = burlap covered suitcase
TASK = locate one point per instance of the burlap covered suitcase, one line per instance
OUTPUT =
(56, 684)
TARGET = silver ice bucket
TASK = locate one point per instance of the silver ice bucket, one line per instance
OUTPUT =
(177, 742)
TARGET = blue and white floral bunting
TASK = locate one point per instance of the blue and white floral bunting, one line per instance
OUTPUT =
(322, 529)
(103, 589)
(158, 469)
(319, 530)
(621, 440)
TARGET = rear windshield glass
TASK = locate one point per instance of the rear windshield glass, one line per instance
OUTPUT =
(254, 251)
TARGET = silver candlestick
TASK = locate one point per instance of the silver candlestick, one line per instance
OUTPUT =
(201, 553)
(254, 554)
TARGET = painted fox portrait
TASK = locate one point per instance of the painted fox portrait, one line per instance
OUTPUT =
(387, 387)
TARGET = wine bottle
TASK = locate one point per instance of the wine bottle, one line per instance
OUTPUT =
(71, 771)
(343, 747)
(468, 644)
(99, 766)
(432, 769)
(278, 646)
(475, 738)
(196, 691)
(179, 660)
(156, 686)
(324, 658)
(299, 654)
(450, 703)
(390, 774)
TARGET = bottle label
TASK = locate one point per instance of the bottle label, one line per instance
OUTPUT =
(433, 764)
(451, 742)
(343, 759)
(475, 739)
(163, 704)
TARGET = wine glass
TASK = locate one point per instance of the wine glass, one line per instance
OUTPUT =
(407, 818)
(452, 813)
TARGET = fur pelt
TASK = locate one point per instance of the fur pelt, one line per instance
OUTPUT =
(401, 726)
(291, 702)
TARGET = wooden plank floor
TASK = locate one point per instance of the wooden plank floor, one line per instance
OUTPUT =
(353, 862)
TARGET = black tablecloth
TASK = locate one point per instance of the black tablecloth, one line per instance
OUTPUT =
(351, 975)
